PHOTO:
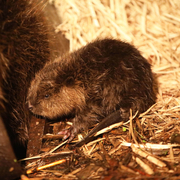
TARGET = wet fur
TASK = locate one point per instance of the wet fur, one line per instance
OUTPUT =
(24, 48)
(93, 82)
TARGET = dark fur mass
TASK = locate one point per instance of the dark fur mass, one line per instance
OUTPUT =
(24, 48)
(93, 82)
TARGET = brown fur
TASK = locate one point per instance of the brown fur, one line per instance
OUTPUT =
(93, 82)
(24, 48)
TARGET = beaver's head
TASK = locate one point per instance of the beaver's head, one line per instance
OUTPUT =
(55, 92)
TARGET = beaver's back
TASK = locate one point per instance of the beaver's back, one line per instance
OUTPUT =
(113, 73)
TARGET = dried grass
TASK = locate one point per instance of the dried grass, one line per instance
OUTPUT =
(154, 28)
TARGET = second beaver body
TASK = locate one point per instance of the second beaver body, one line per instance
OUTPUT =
(93, 82)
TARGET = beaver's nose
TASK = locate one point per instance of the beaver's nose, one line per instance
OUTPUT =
(30, 106)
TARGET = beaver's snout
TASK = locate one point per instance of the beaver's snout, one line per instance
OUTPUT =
(29, 106)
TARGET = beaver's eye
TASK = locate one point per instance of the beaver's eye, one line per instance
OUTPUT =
(46, 96)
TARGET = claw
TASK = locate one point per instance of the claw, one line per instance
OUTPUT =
(68, 133)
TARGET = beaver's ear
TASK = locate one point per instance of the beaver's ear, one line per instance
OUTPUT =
(69, 81)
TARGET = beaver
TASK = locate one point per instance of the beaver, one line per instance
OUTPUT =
(24, 40)
(27, 41)
(7, 156)
(91, 83)
(25, 46)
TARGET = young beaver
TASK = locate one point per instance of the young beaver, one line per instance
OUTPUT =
(91, 83)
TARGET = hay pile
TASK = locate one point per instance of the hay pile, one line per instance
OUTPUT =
(154, 28)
